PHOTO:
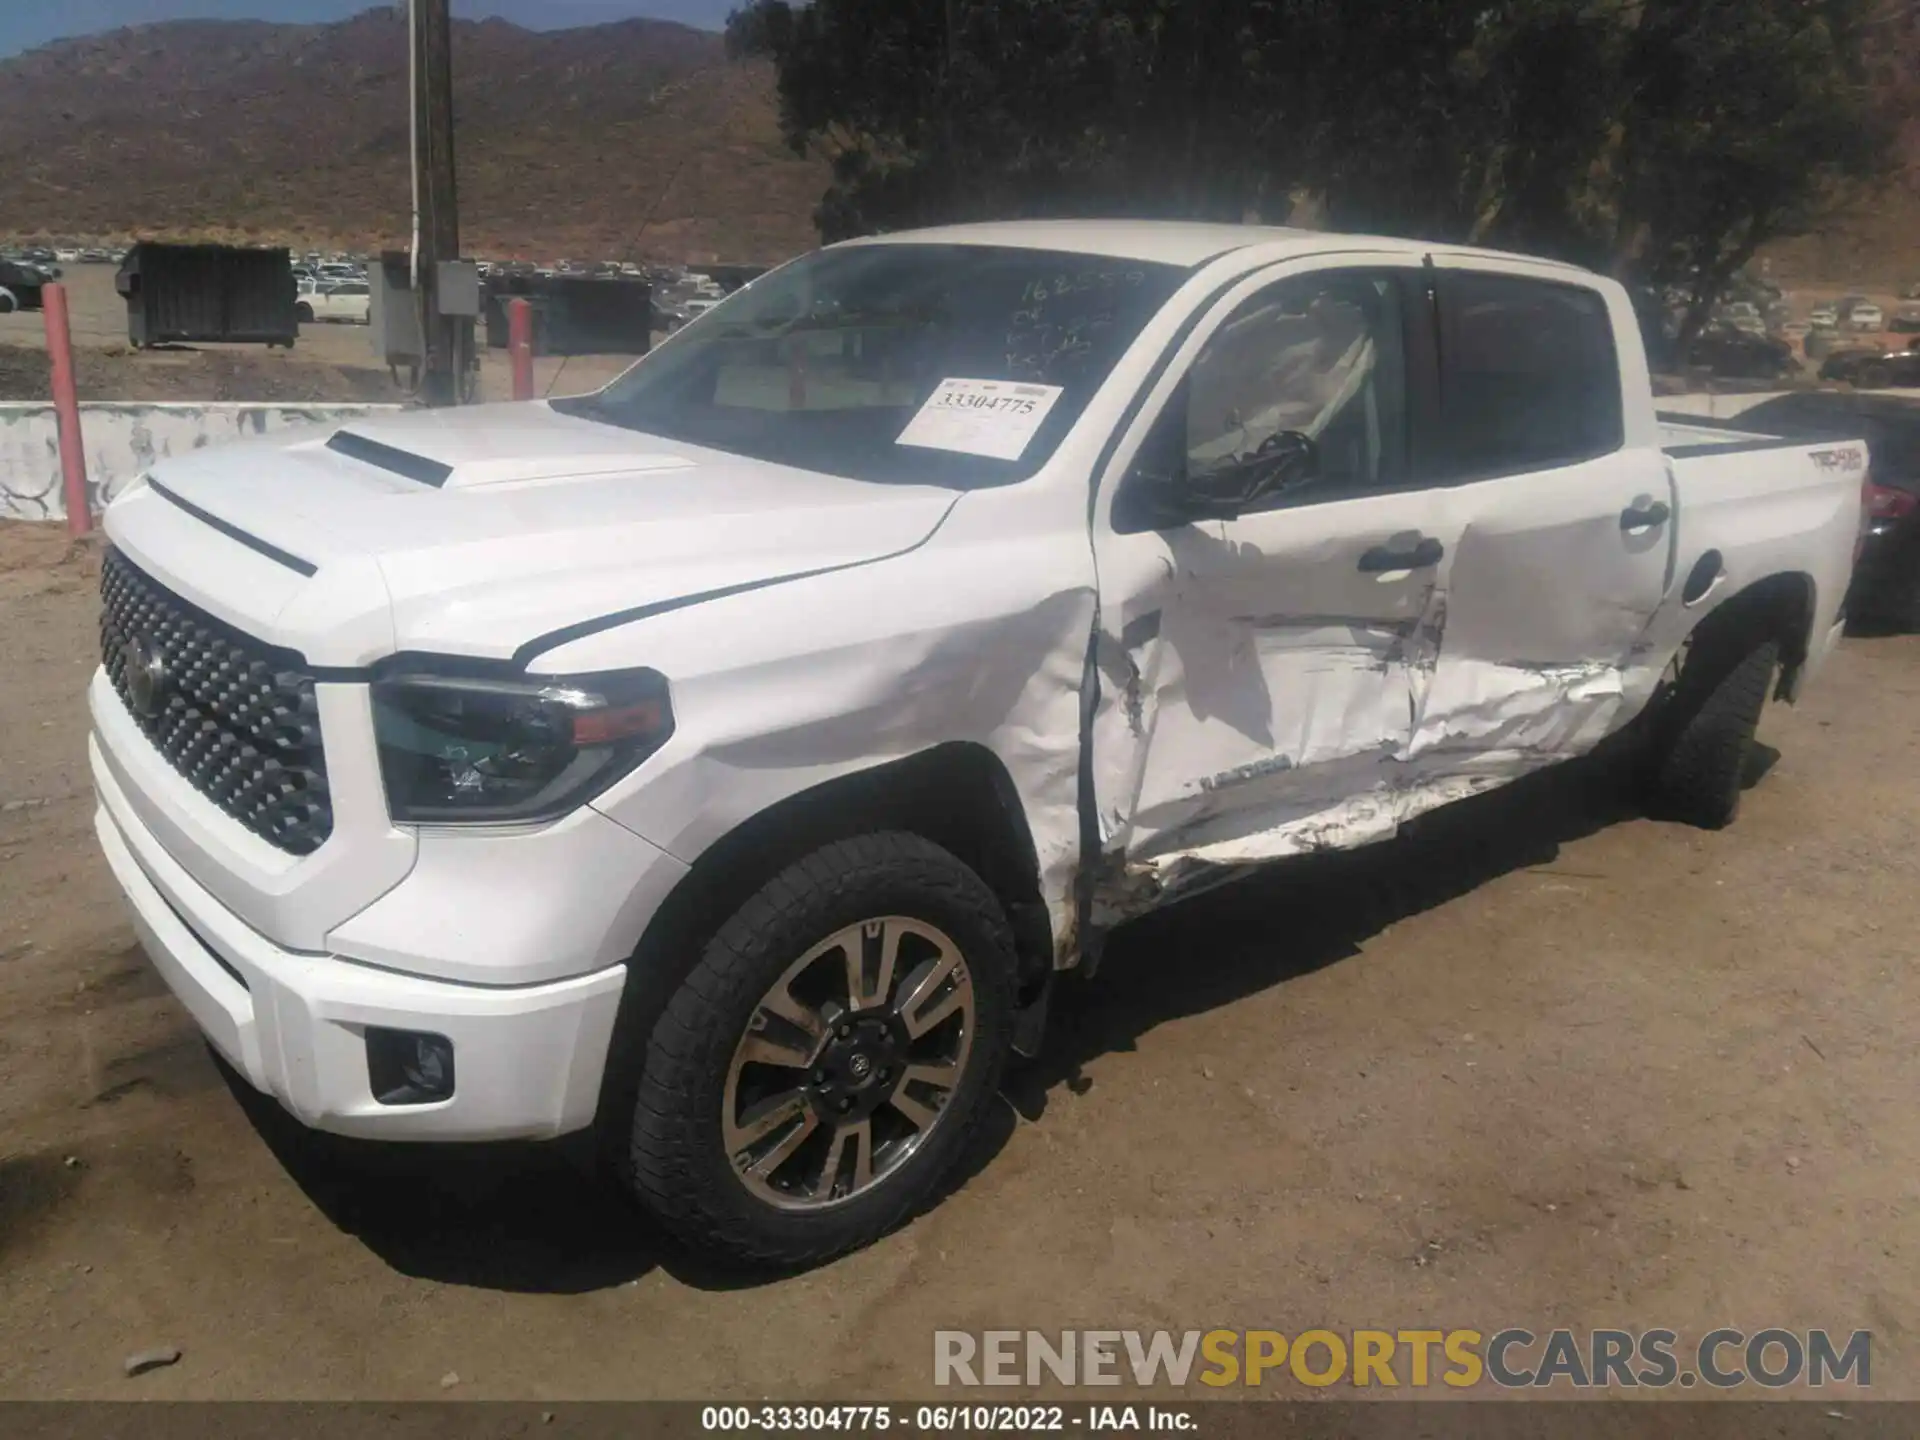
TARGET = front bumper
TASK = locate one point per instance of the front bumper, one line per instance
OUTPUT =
(528, 1058)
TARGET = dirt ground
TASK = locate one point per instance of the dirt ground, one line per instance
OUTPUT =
(1542, 1063)
(330, 362)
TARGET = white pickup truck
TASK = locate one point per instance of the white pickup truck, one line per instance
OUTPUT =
(727, 761)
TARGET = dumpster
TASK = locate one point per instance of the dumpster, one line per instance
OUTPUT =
(207, 294)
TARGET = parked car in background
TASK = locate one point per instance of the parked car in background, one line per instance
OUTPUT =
(1744, 316)
(1736, 355)
(21, 285)
(1873, 369)
(1886, 581)
(1825, 316)
(1866, 316)
(346, 301)
(1905, 321)
(729, 760)
(1796, 329)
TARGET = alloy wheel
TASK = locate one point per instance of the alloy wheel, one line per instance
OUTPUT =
(848, 1063)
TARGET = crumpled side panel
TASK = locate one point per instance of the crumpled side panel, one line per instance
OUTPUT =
(979, 641)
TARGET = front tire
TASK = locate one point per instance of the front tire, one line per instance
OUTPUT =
(826, 1063)
(1706, 731)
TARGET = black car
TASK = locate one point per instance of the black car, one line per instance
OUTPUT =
(1736, 355)
(23, 283)
(1874, 369)
(1886, 582)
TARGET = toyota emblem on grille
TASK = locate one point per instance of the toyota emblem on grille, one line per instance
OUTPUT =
(146, 670)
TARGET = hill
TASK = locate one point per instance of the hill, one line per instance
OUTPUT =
(567, 140)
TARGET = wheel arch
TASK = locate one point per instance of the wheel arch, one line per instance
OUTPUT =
(1780, 607)
(959, 795)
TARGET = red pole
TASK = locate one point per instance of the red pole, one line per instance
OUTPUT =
(520, 346)
(66, 406)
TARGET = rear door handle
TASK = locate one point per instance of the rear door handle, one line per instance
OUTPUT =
(1385, 560)
(1636, 518)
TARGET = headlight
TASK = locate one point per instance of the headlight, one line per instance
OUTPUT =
(465, 750)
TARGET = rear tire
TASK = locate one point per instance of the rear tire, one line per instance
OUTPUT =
(1705, 733)
(853, 1155)
(304, 314)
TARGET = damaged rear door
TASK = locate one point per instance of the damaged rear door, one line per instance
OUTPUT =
(1257, 654)
(1565, 514)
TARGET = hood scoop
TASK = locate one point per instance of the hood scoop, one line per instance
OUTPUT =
(390, 458)
(510, 466)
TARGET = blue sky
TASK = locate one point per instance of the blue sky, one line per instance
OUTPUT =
(27, 23)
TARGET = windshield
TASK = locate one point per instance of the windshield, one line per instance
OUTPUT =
(955, 365)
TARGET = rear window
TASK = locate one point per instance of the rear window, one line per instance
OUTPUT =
(1530, 379)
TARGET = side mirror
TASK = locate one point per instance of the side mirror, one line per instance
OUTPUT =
(1284, 461)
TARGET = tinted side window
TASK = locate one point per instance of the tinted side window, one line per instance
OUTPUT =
(1529, 377)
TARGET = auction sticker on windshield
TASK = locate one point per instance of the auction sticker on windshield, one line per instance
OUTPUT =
(994, 418)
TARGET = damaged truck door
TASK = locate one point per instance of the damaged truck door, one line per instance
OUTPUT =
(1269, 561)
(1565, 513)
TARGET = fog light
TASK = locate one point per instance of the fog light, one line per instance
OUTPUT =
(409, 1067)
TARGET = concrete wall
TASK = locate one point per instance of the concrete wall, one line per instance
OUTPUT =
(121, 440)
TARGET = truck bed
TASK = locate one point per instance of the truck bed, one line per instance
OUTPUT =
(1751, 506)
(1690, 436)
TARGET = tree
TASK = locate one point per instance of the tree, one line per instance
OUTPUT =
(932, 110)
(1662, 140)
(1748, 121)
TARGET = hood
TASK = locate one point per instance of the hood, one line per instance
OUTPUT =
(494, 526)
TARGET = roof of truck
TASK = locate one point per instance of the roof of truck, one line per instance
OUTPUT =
(1178, 242)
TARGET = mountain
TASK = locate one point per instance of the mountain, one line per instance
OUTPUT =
(637, 137)
(568, 140)
(25, 24)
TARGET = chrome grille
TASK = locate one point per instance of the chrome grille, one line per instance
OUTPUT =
(237, 718)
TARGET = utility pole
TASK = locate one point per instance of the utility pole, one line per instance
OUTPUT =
(449, 339)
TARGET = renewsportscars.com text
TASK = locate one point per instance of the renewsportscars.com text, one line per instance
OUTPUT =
(1513, 1358)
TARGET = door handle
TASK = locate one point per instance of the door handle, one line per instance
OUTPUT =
(1636, 518)
(1384, 560)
